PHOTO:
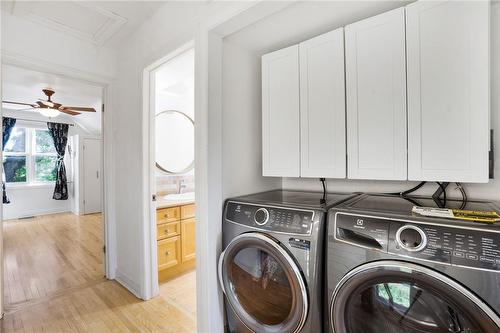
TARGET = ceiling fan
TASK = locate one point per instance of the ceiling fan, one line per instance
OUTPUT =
(50, 108)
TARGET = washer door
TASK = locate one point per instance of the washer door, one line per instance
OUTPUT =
(263, 284)
(400, 297)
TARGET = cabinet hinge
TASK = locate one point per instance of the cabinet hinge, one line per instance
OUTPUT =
(102, 110)
(104, 249)
(492, 156)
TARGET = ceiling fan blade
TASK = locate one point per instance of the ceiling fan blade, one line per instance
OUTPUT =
(19, 103)
(47, 104)
(70, 112)
(77, 108)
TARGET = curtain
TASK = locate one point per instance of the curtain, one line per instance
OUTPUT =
(7, 126)
(59, 134)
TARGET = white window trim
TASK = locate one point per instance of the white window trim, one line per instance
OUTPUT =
(31, 154)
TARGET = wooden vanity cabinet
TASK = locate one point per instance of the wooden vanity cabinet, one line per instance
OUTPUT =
(176, 236)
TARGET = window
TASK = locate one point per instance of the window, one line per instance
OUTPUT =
(15, 157)
(30, 156)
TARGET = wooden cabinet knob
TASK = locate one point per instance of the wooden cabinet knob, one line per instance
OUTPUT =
(167, 253)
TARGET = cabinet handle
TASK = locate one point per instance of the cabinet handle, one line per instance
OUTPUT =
(166, 215)
(167, 253)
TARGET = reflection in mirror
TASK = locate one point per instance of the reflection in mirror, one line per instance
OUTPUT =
(174, 142)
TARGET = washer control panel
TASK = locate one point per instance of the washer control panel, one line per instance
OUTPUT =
(456, 246)
(267, 218)
(450, 245)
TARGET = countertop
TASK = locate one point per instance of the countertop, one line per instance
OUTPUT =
(162, 203)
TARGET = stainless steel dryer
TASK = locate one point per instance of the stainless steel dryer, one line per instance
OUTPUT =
(271, 267)
(393, 272)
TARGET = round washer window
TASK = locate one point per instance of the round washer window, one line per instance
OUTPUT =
(263, 284)
(397, 297)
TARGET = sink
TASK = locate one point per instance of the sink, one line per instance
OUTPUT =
(178, 197)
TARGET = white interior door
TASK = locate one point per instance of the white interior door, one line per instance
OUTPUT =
(92, 176)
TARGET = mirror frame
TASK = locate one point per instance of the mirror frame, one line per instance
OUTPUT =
(191, 165)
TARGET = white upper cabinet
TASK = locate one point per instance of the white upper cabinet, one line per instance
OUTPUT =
(376, 97)
(280, 113)
(448, 90)
(322, 106)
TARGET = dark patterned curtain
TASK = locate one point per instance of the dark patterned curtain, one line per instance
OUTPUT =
(7, 126)
(59, 133)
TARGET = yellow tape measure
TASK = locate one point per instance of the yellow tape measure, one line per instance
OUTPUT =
(461, 214)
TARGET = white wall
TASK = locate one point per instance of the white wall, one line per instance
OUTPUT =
(241, 124)
(32, 201)
(477, 191)
(172, 26)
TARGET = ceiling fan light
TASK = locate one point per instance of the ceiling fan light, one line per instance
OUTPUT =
(51, 113)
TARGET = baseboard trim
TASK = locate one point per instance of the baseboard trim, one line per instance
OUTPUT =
(128, 283)
(36, 213)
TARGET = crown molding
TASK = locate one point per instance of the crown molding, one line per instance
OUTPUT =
(23, 61)
(112, 25)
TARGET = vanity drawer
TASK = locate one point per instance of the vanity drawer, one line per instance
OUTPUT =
(188, 211)
(169, 252)
(168, 230)
(165, 215)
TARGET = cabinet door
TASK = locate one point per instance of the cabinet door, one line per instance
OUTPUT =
(448, 90)
(280, 113)
(169, 252)
(376, 97)
(188, 211)
(322, 106)
(188, 243)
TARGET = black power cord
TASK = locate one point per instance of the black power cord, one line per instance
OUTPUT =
(411, 190)
(323, 200)
(464, 195)
(438, 193)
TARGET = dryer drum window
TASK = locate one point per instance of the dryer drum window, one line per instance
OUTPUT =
(263, 284)
(399, 297)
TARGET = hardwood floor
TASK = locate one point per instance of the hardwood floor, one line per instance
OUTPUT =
(54, 283)
(50, 253)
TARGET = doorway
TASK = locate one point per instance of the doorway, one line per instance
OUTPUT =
(51, 244)
(169, 113)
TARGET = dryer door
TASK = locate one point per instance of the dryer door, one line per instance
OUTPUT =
(263, 284)
(401, 297)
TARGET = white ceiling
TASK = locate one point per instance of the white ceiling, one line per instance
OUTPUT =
(22, 85)
(103, 23)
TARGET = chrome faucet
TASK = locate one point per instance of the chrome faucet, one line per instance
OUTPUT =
(181, 186)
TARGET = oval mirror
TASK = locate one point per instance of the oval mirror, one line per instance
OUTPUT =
(174, 142)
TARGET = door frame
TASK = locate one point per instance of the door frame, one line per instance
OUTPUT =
(109, 237)
(207, 45)
(150, 266)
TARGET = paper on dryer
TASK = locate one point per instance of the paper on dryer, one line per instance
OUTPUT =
(460, 214)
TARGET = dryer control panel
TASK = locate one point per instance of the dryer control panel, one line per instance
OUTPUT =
(286, 220)
(460, 246)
